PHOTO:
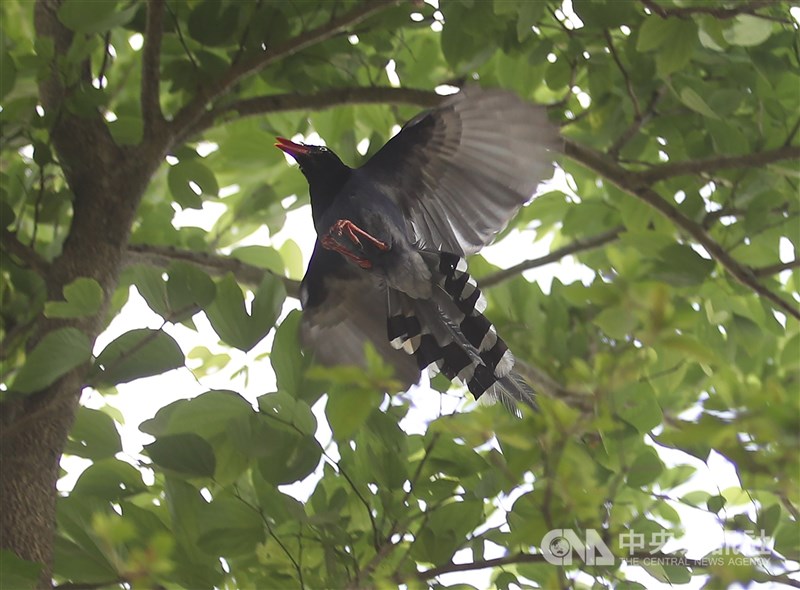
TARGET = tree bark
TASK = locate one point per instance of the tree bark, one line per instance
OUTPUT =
(108, 182)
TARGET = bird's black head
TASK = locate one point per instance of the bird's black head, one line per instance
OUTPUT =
(325, 172)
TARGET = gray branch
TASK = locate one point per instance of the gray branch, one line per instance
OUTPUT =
(213, 264)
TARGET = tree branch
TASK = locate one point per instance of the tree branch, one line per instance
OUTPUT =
(637, 184)
(632, 559)
(773, 269)
(29, 256)
(275, 103)
(151, 65)
(628, 84)
(579, 245)
(709, 165)
(546, 385)
(638, 122)
(188, 115)
(715, 11)
(213, 264)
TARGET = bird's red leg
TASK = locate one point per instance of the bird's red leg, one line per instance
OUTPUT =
(331, 243)
(344, 228)
(353, 232)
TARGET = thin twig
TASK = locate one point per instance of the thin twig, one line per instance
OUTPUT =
(543, 383)
(213, 264)
(792, 132)
(11, 244)
(638, 122)
(106, 55)
(628, 84)
(151, 65)
(387, 546)
(709, 165)
(360, 497)
(773, 269)
(579, 245)
(715, 11)
(275, 103)
(36, 207)
(259, 510)
(181, 39)
(188, 115)
(516, 558)
(637, 184)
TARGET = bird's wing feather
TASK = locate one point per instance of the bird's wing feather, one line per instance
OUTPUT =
(460, 171)
(342, 310)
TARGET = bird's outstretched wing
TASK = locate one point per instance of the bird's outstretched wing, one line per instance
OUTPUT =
(342, 310)
(460, 171)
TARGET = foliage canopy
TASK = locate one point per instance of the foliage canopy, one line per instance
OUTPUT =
(681, 155)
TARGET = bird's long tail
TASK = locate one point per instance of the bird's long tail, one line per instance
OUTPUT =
(448, 333)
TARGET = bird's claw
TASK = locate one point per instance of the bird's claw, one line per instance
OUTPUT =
(345, 226)
(331, 243)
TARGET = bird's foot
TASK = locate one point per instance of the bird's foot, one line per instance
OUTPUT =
(352, 231)
(329, 242)
(345, 237)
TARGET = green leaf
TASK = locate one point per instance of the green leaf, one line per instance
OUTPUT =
(656, 31)
(57, 354)
(637, 405)
(348, 409)
(292, 258)
(645, 468)
(230, 528)
(94, 435)
(618, 321)
(136, 354)
(268, 302)
(89, 16)
(790, 357)
(690, 347)
(677, 53)
(77, 562)
(286, 358)
(716, 503)
(109, 479)
(188, 290)
(8, 74)
(127, 130)
(18, 573)
(695, 102)
(262, 257)
(150, 283)
(748, 30)
(290, 457)
(84, 297)
(213, 24)
(681, 265)
(186, 173)
(230, 319)
(208, 415)
(186, 454)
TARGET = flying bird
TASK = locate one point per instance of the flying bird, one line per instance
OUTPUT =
(389, 265)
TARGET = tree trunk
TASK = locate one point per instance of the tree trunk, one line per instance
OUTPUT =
(108, 182)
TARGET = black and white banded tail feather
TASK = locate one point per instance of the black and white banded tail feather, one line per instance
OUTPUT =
(448, 333)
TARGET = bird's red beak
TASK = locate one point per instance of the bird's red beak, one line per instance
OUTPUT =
(290, 147)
